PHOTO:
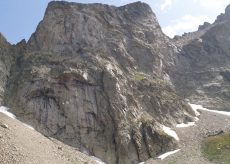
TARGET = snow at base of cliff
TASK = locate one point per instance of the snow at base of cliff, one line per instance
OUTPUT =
(4, 110)
(163, 156)
(200, 107)
(170, 132)
(183, 125)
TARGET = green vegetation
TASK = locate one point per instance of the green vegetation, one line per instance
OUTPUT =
(172, 162)
(217, 148)
(147, 80)
(139, 77)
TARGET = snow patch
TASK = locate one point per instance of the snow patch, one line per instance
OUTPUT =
(97, 160)
(163, 156)
(170, 132)
(85, 75)
(4, 110)
(200, 107)
(196, 119)
(28, 126)
(195, 108)
(183, 125)
(200, 40)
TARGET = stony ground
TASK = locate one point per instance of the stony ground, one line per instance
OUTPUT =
(191, 137)
(22, 145)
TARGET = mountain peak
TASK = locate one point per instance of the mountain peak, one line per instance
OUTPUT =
(224, 17)
(227, 10)
(138, 9)
(69, 19)
(2, 38)
(138, 4)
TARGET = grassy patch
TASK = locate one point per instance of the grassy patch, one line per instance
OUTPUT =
(139, 77)
(217, 148)
(172, 162)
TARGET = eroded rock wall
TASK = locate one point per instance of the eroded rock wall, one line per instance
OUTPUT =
(95, 76)
(202, 66)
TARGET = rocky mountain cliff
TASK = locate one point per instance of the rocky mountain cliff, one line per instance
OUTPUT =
(6, 59)
(94, 77)
(106, 79)
(202, 69)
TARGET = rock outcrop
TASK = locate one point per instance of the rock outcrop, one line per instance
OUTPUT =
(105, 79)
(96, 77)
(204, 26)
(202, 66)
(6, 60)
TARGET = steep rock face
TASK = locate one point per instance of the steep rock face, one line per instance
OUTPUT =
(95, 77)
(202, 66)
(224, 17)
(6, 59)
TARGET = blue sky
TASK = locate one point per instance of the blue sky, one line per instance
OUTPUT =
(19, 18)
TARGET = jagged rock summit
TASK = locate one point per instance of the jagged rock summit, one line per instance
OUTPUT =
(202, 72)
(224, 17)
